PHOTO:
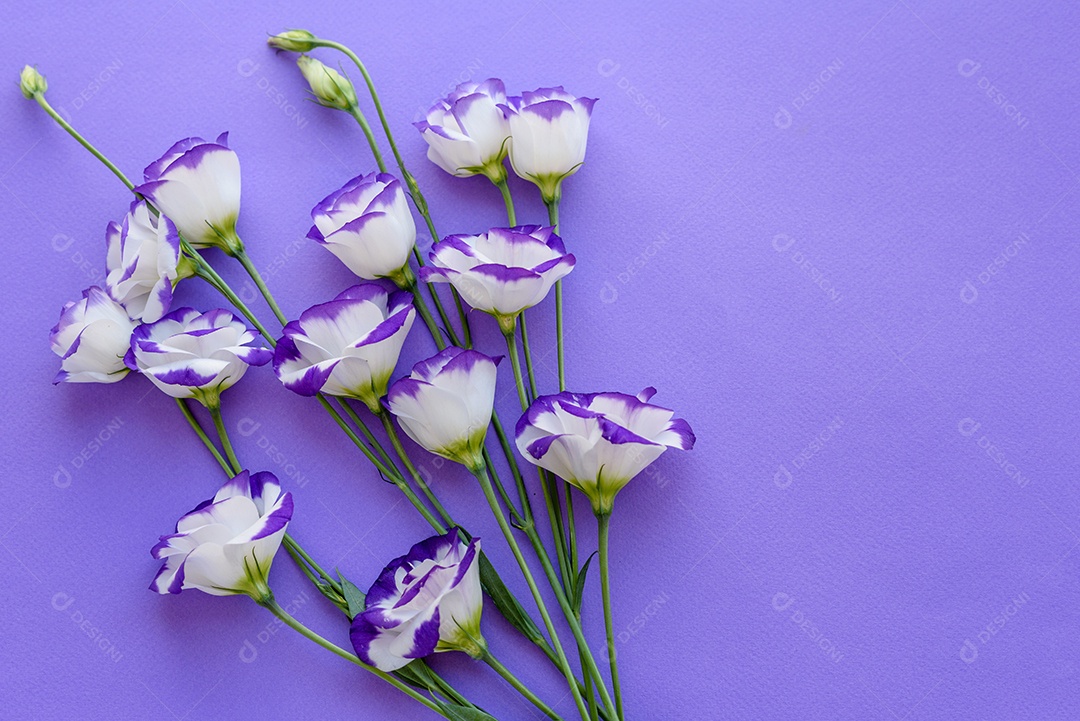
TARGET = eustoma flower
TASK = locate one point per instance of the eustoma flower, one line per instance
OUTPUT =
(445, 404)
(227, 544)
(92, 337)
(426, 601)
(503, 271)
(196, 183)
(368, 226)
(330, 88)
(188, 354)
(599, 441)
(347, 347)
(142, 257)
(467, 132)
(549, 130)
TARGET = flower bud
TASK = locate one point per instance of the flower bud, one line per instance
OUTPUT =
(31, 82)
(295, 41)
(329, 87)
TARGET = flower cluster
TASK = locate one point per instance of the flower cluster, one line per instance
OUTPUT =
(346, 351)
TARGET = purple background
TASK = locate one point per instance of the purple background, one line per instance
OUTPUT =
(840, 254)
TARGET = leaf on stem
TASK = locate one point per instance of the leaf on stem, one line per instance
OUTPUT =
(506, 603)
(579, 585)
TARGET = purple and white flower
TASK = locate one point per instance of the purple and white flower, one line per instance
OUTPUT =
(188, 354)
(347, 347)
(424, 602)
(445, 404)
(503, 271)
(549, 130)
(196, 183)
(467, 133)
(599, 441)
(226, 545)
(141, 258)
(92, 337)
(368, 226)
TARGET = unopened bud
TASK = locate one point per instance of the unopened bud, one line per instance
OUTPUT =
(295, 41)
(330, 87)
(31, 82)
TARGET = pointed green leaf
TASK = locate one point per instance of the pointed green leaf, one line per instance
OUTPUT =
(354, 597)
(464, 713)
(579, 585)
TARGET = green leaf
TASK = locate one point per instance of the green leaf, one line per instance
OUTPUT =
(506, 603)
(579, 585)
(464, 713)
(418, 674)
(354, 597)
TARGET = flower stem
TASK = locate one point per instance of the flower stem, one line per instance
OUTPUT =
(528, 354)
(481, 474)
(40, 98)
(603, 522)
(508, 200)
(256, 277)
(511, 347)
(219, 424)
(425, 314)
(272, 605)
(195, 426)
(359, 423)
(513, 680)
(553, 218)
(395, 441)
(362, 121)
(414, 190)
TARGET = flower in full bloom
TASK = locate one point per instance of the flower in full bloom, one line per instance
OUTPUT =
(599, 441)
(549, 128)
(368, 226)
(141, 258)
(445, 403)
(92, 337)
(330, 88)
(347, 347)
(196, 183)
(467, 132)
(188, 354)
(503, 271)
(426, 601)
(227, 544)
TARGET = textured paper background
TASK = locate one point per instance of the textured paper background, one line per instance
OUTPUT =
(843, 243)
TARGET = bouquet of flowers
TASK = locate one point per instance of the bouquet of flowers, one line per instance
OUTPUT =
(345, 354)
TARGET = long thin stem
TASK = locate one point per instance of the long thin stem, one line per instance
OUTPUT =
(508, 200)
(219, 424)
(371, 439)
(553, 219)
(366, 127)
(513, 680)
(303, 630)
(481, 474)
(195, 426)
(528, 354)
(256, 277)
(395, 441)
(40, 99)
(511, 348)
(410, 182)
(425, 314)
(603, 523)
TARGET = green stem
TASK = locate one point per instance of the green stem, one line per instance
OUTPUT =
(245, 260)
(515, 470)
(359, 423)
(528, 354)
(513, 680)
(410, 182)
(219, 424)
(197, 427)
(40, 98)
(303, 630)
(553, 219)
(508, 200)
(395, 441)
(571, 619)
(603, 523)
(425, 314)
(480, 471)
(511, 347)
(362, 121)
